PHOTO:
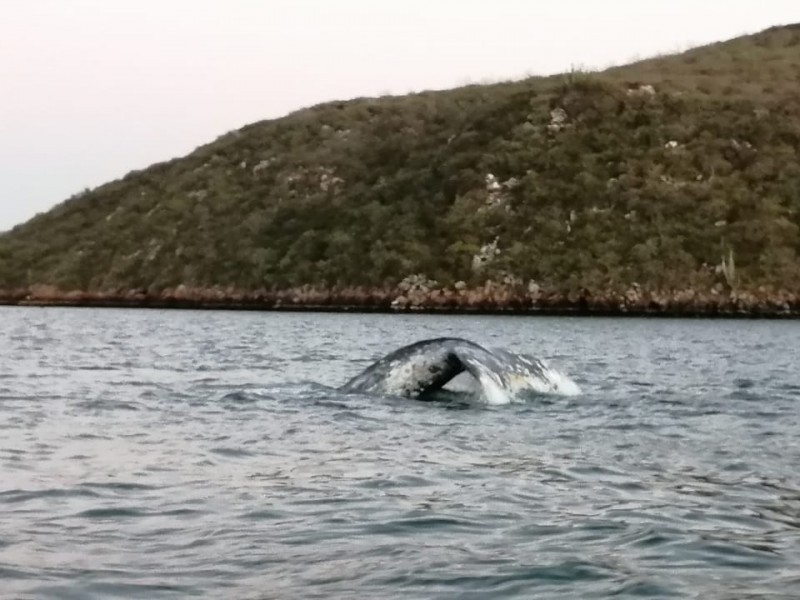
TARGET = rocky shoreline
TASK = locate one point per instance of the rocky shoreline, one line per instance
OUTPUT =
(497, 299)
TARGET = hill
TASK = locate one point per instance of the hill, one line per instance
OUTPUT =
(668, 184)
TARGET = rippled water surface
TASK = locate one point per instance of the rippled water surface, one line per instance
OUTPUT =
(164, 454)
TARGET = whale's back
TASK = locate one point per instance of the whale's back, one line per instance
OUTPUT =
(417, 370)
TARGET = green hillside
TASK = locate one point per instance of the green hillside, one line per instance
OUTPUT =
(675, 173)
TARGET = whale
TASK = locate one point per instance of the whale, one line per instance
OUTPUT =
(421, 369)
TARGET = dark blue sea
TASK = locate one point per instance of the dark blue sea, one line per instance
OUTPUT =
(172, 454)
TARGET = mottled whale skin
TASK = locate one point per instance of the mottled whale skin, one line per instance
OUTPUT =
(416, 370)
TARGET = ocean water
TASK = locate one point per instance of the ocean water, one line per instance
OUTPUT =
(171, 454)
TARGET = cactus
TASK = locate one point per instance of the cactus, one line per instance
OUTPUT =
(728, 268)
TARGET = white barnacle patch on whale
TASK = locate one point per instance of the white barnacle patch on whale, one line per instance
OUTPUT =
(406, 378)
(499, 376)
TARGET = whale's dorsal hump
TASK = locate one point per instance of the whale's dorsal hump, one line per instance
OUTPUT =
(425, 367)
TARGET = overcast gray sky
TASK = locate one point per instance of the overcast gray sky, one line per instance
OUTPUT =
(91, 89)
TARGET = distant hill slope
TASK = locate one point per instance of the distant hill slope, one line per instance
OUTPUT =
(674, 173)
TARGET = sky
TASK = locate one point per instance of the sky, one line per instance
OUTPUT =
(92, 89)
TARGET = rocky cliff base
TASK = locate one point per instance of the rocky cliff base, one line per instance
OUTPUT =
(487, 300)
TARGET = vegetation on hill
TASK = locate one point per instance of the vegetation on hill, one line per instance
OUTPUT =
(675, 173)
